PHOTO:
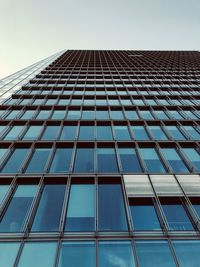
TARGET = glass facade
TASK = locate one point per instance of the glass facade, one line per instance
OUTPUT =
(100, 161)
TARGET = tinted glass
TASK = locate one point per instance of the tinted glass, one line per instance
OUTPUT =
(38, 254)
(77, 254)
(8, 253)
(115, 253)
(193, 133)
(28, 114)
(61, 160)
(38, 160)
(33, 132)
(14, 133)
(43, 114)
(102, 115)
(175, 133)
(121, 133)
(16, 213)
(157, 133)
(154, 254)
(129, 160)
(106, 160)
(48, 214)
(58, 114)
(192, 156)
(50, 133)
(116, 115)
(74, 115)
(84, 160)
(86, 132)
(139, 133)
(131, 114)
(104, 132)
(112, 216)
(81, 208)
(152, 160)
(69, 132)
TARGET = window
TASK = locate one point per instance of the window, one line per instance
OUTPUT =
(196, 204)
(14, 163)
(139, 132)
(81, 208)
(146, 114)
(112, 216)
(175, 114)
(115, 253)
(33, 132)
(129, 160)
(194, 134)
(192, 156)
(38, 161)
(74, 254)
(141, 209)
(187, 252)
(102, 115)
(175, 214)
(152, 160)
(58, 115)
(84, 160)
(14, 133)
(154, 253)
(121, 133)
(131, 114)
(88, 115)
(160, 114)
(69, 132)
(157, 133)
(3, 191)
(50, 133)
(74, 115)
(106, 160)
(43, 114)
(61, 160)
(28, 114)
(175, 133)
(86, 132)
(17, 211)
(116, 115)
(13, 114)
(38, 254)
(8, 253)
(47, 218)
(174, 160)
(104, 132)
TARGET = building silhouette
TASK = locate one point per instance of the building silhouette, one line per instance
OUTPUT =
(100, 161)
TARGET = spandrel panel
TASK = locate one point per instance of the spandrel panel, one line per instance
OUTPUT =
(137, 185)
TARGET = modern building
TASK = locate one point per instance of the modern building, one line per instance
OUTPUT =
(100, 161)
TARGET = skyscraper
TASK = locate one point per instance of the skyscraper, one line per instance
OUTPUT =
(100, 161)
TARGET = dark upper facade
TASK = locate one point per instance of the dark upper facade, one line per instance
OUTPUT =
(100, 161)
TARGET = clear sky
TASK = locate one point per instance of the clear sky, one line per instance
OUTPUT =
(31, 30)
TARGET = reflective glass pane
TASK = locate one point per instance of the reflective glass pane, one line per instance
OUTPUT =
(86, 132)
(106, 160)
(187, 252)
(61, 160)
(28, 114)
(116, 115)
(141, 209)
(115, 254)
(33, 132)
(58, 115)
(69, 132)
(176, 215)
(74, 115)
(129, 160)
(112, 216)
(192, 132)
(38, 160)
(50, 133)
(104, 132)
(175, 133)
(81, 208)
(47, 218)
(15, 161)
(3, 191)
(14, 133)
(77, 254)
(121, 133)
(8, 253)
(88, 115)
(43, 114)
(131, 114)
(16, 213)
(84, 160)
(146, 114)
(152, 160)
(102, 115)
(157, 133)
(139, 132)
(192, 156)
(154, 254)
(40, 254)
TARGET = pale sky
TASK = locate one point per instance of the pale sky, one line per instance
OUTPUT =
(31, 30)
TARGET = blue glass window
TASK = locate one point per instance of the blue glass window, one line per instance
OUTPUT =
(17, 211)
(106, 160)
(88, 115)
(155, 253)
(69, 132)
(187, 252)
(84, 161)
(61, 160)
(63, 102)
(81, 208)
(77, 254)
(131, 114)
(192, 156)
(15, 161)
(74, 115)
(33, 132)
(160, 114)
(121, 133)
(102, 115)
(47, 218)
(43, 115)
(175, 114)
(38, 254)
(146, 114)
(28, 114)
(112, 216)
(175, 133)
(38, 160)
(174, 160)
(3, 191)
(13, 114)
(139, 132)
(141, 209)
(116, 115)
(152, 160)
(190, 114)
(176, 215)
(196, 204)
(50, 133)
(129, 160)
(51, 102)
(8, 253)
(14, 133)
(115, 253)
(192, 132)
(104, 132)
(157, 133)
(58, 115)
(86, 132)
